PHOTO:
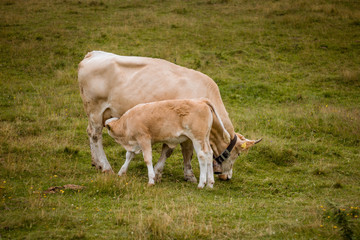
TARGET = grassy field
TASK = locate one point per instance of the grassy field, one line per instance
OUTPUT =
(288, 71)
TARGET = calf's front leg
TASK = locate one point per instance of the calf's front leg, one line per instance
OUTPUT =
(129, 157)
(147, 153)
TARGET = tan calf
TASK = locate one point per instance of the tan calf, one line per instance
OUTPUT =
(171, 122)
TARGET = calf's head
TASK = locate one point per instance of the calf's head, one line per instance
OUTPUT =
(242, 145)
(108, 125)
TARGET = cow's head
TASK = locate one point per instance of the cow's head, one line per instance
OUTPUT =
(242, 145)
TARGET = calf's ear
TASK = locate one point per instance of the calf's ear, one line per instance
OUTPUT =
(109, 122)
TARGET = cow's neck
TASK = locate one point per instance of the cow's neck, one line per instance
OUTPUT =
(217, 141)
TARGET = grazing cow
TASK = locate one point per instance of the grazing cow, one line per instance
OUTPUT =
(111, 84)
(171, 122)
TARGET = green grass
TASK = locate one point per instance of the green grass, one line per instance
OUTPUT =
(288, 71)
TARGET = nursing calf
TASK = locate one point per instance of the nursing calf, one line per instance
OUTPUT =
(171, 122)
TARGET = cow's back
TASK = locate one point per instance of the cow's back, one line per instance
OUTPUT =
(113, 84)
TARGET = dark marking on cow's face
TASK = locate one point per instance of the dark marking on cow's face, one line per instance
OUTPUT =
(95, 138)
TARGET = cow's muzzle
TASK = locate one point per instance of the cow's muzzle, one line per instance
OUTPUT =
(224, 177)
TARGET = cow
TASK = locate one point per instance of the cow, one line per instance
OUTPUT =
(111, 84)
(170, 122)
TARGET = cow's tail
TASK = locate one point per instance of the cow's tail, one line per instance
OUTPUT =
(226, 135)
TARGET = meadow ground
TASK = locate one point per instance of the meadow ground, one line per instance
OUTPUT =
(288, 71)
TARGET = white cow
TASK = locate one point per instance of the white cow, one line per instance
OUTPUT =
(111, 84)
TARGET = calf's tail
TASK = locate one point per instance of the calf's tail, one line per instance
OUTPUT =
(226, 135)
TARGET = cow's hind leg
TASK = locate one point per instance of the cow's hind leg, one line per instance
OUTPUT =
(94, 131)
(187, 152)
(159, 167)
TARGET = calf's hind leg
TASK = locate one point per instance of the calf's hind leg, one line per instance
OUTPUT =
(204, 154)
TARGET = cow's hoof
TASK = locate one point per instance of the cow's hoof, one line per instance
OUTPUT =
(158, 178)
(108, 171)
(200, 186)
(190, 178)
(150, 184)
(97, 167)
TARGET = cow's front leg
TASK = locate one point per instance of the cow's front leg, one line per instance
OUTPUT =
(98, 156)
(187, 150)
(124, 168)
(147, 153)
(159, 167)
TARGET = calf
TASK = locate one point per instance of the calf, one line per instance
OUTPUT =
(171, 122)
